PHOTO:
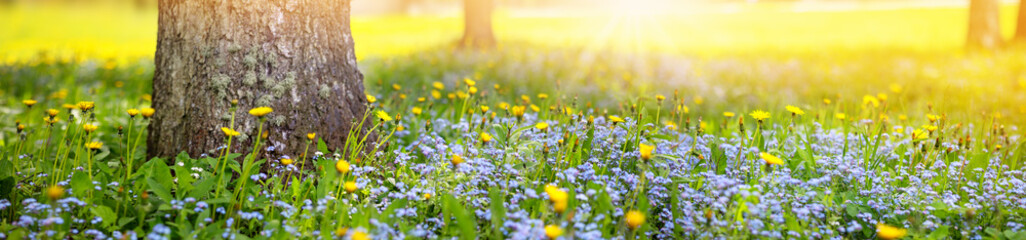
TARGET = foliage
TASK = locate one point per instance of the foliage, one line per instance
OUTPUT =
(904, 155)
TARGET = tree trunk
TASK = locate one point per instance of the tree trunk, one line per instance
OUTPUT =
(295, 56)
(477, 24)
(984, 24)
(1020, 27)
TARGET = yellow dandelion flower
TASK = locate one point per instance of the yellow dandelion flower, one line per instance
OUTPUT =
(543, 96)
(552, 231)
(286, 161)
(472, 90)
(383, 116)
(417, 110)
(94, 145)
(728, 114)
(438, 85)
(54, 192)
(646, 151)
(52, 112)
(485, 137)
(29, 102)
(456, 159)
(360, 235)
(436, 94)
(525, 98)
(469, 82)
(396, 87)
(535, 108)
(840, 116)
(557, 197)
(919, 134)
(634, 219)
(795, 110)
(89, 127)
(132, 112)
(260, 111)
(228, 132)
(147, 112)
(887, 232)
(759, 115)
(484, 109)
(615, 119)
(342, 166)
(660, 97)
(85, 106)
(311, 136)
(683, 108)
(371, 98)
(517, 111)
(69, 106)
(350, 186)
(504, 105)
(770, 159)
(671, 125)
(827, 101)
(542, 126)
(870, 100)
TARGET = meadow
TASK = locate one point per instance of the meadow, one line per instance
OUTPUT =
(741, 131)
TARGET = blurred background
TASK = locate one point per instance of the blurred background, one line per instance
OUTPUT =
(962, 56)
(126, 29)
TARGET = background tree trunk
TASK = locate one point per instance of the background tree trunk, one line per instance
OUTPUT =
(1020, 27)
(984, 24)
(295, 56)
(477, 24)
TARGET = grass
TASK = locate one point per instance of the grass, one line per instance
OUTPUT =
(885, 135)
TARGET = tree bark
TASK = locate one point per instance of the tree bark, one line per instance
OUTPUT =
(477, 24)
(295, 56)
(1020, 27)
(984, 24)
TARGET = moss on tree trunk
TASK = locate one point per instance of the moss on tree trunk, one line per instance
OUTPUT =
(295, 56)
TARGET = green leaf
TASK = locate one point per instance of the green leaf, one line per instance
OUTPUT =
(465, 221)
(104, 213)
(203, 188)
(321, 146)
(80, 184)
(498, 211)
(6, 184)
(161, 173)
(159, 190)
